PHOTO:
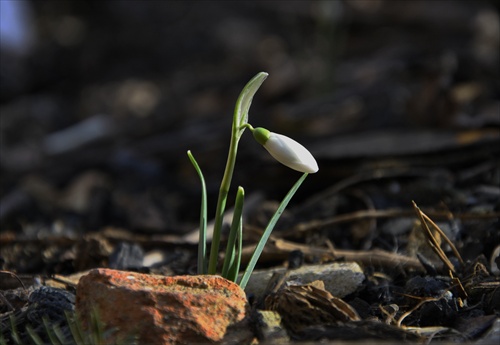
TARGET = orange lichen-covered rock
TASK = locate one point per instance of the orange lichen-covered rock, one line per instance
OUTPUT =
(159, 309)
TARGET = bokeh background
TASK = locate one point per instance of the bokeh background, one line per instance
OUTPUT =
(100, 100)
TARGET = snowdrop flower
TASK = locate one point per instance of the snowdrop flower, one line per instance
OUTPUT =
(286, 150)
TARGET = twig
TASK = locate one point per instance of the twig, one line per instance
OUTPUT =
(450, 243)
(12, 274)
(278, 249)
(431, 239)
(419, 304)
(389, 213)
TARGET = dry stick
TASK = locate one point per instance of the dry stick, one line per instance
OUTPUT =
(419, 304)
(12, 274)
(389, 316)
(456, 283)
(63, 280)
(279, 249)
(4, 300)
(390, 213)
(450, 243)
(432, 240)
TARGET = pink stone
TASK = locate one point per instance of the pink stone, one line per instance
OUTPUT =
(162, 310)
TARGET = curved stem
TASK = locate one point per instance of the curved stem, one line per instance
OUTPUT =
(240, 119)
(221, 202)
(247, 125)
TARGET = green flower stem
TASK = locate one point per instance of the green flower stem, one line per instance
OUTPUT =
(267, 232)
(202, 255)
(229, 258)
(247, 125)
(240, 119)
(221, 204)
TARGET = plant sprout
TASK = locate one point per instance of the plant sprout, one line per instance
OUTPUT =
(285, 150)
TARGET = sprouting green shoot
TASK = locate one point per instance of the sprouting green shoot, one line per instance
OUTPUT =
(202, 251)
(230, 255)
(267, 232)
(234, 269)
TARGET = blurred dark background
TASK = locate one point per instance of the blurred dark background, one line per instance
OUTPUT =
(101, 99)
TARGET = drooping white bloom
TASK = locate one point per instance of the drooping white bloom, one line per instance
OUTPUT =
(286, 150)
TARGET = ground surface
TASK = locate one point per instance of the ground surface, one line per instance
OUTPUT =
(398, 100)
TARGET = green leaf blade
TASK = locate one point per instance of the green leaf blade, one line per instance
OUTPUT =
(202, 240)
(234, 269)
(229, 259)
(267, 232)
(245, 101)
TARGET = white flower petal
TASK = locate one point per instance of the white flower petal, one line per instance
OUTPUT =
(290, 153)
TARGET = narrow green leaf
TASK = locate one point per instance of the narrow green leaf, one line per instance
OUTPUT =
(97, 327)
(202, 241)
(233, 232)
(14, 333)
(75, 327)
(267, 232)
(245, 100)
(235, 267)
(50, 332)
(59, 334)
(35, 338)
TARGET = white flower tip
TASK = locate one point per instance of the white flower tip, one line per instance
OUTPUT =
(312, 168)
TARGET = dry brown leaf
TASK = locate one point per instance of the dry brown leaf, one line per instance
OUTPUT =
(309, 304)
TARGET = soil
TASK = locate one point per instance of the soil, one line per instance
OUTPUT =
(397, 100)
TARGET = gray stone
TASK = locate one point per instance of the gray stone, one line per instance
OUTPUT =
(341, 279)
